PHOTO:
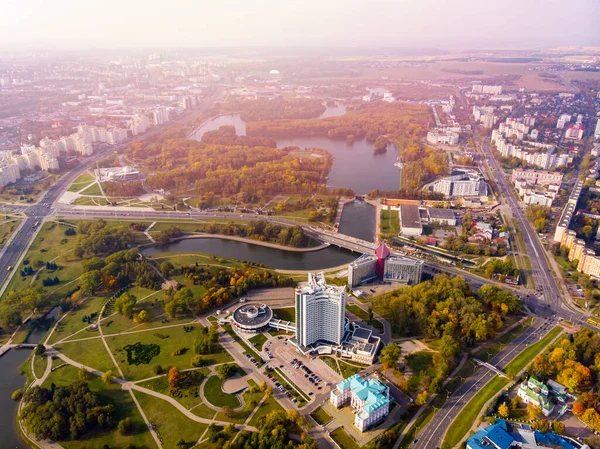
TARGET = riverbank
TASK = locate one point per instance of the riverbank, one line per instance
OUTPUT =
(246, 240)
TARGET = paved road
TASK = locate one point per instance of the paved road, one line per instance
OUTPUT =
(430, 437)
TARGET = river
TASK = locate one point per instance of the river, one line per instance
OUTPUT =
(354, 166)
(13, 380)
(272, 257)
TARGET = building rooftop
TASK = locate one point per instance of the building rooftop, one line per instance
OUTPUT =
(382, 251)
(436, 213)
(252, 315)
(409, 216)
(372, 391)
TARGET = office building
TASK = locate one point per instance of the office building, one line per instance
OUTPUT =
(444, 217)
(320, 312)
(384, 266)
(463, 183)
(368, 398)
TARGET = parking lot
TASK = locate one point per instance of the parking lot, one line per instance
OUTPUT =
(311, 376)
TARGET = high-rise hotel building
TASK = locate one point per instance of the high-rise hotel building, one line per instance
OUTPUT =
(320, 312)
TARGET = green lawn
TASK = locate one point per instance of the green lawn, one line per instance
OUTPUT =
(7, 229)
(268, 406)
(321, 416)
(74, 320)
(39, 364)
(526, 356)
(214, 394)
(90, 353)
(360, 313)
(80, 182)
(344, 441)
(50, 244)
(286, 314)
(251, 400)
(177, 338)
(94, 190)
(389, 222)
(258, 340)
(187, 396)
(469, 413)
(171, 425)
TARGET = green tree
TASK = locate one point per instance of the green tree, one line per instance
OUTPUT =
(124, 305)
(390, 355)
(40, 349)
(89, 282)
(126, 426)
(166, 268)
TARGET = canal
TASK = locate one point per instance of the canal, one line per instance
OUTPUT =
(12, 380)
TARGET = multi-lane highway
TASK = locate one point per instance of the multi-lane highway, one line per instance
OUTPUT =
(430, 437)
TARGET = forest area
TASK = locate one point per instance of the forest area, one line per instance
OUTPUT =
(276, 109)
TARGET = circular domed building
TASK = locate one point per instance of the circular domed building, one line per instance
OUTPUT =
(274, 72)
(252, 318)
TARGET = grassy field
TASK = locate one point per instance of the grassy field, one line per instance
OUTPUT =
(39, 364)
(214, 394)
(389, 222)
(171, 424)
(360, 313)
(80, 182)
(344, 441)
(176, 338)
(93, 190)
(73, 322)
(526, 356)
(188, 397)
(90, 353)
(269, 405)
(258, 340)
(321, 416)
(469, 413)
(286, 314)
(251, 400)
(7, 228)
(51, 244)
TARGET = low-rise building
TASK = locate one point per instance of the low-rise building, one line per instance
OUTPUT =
(368, 398)
(410, 220)
(535, 392)
(445, 217)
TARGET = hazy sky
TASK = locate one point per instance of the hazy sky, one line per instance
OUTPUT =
(397, 23)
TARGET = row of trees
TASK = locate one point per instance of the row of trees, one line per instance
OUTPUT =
(222, 285)
(447, 306)
(263, 231)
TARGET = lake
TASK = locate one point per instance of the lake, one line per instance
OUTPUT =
(354, 166)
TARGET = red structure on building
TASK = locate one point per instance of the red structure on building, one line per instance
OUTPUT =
(382, 252)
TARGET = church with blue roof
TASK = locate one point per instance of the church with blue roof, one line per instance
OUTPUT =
(369, 399)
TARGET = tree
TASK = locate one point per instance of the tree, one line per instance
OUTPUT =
(422, 398)
(17, 395)
(83, 374)
(141, 317)
(40, 349)
(89, 282)
(558, 427)
(124, 305)
(226, 370)
(503, 410)
(228, 411)
(166, 268)
(174, 378)
(126, 426)
(390, 355)
(578, 408)
(541, 426)
(533, 412)
(269, 392)
(107, 377)
(449, 348)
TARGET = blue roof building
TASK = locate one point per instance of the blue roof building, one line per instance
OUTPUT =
(369, 398)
